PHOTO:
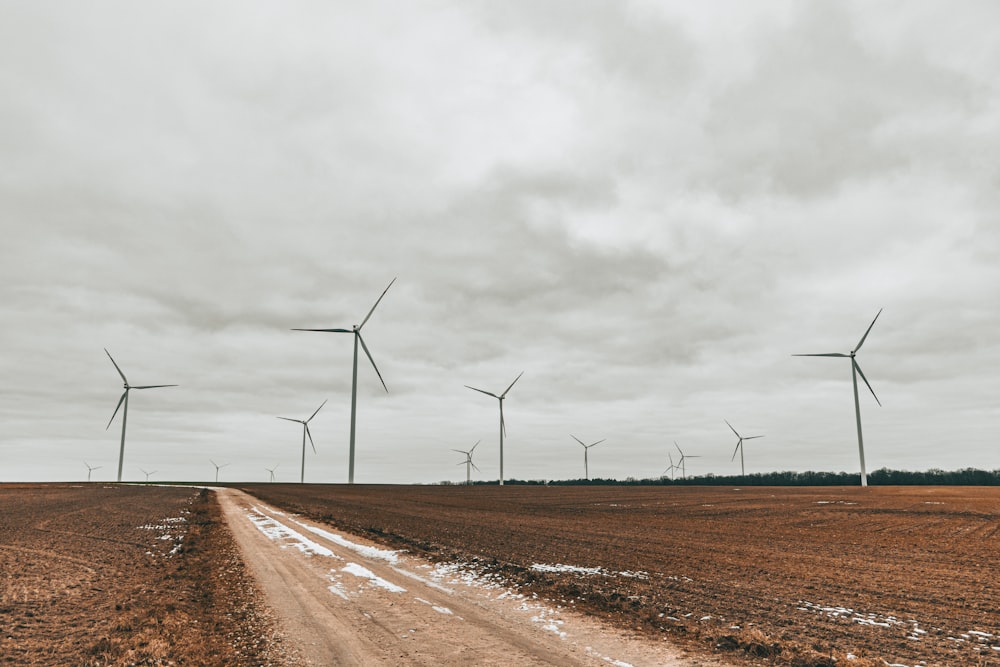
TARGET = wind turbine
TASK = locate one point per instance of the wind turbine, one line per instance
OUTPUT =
(271, 470)
(151, 472)
(124, 399)
(586, 448)
(217, 468)
(684, 457)
(671, 468)
(356, 330)
(503, 427)
(468, 462)
(90, 469)
(739, 446)
(305, 432)
(855, 372)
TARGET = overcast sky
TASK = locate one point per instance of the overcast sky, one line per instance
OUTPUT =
(646, 207)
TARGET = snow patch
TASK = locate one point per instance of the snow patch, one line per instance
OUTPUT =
(278, 532)
(368, 552)
(365, 573)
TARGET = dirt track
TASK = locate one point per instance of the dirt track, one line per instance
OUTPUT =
(344, 602)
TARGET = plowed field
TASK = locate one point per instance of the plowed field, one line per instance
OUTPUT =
(784, 576)
(123, 575)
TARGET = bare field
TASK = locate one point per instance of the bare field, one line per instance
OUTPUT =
(814, 576)
(101, 574)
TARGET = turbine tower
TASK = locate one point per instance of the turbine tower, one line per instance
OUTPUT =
(684, 457)
(271, 470)
(124, 399)
(90, 469)
(468, 462)
(503, 427)
(739, 446)
(855, 372)
(356, 330)
(217, 468)
(305, 432)
(586, 448)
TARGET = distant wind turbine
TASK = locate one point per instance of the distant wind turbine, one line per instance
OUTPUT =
(503, 427)
(151, 472)
(90, 469)
(305, 432)
(739, 446)
(356, 330)
(124, 399)
(468, 462)
(271, 470)
(671, 468)
(217, 468)
(855, 372)
(684, 457)
(586, 448)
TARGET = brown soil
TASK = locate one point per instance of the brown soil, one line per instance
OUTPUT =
(124, 575)
(810, 577)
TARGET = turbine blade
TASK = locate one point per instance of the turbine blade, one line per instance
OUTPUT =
(512, 384)
(475, 466)
(325, 330)
(577, 439)
(120, 401)
(597, 443)
(317, 410)
(679, 448)
(827, 354)
(474, 447)
(376, 305)
(116, 366)
(862, 341)
(310, 437)
(731, 427)
(155, 386)
(858, 368)
(365, 348)
(289, 419)
(460, 451)
(736, 451)
(752, 437)
(488, 393)
(503, 424)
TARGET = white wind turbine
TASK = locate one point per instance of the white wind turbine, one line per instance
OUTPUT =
(855, 372)
(90, 469)
(217, 469)
(305, 432)
(271, 471)
(684, 457)
(739, 446)
(151, 472)
(468, 462)
(586, 448)
(356, 330)
(124, 399)
(671, 468)
(503, 427)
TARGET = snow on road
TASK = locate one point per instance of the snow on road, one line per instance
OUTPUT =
(342, 600)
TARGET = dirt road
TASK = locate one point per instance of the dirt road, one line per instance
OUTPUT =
(341, 600)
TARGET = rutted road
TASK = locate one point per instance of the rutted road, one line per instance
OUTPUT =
(341, 600)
